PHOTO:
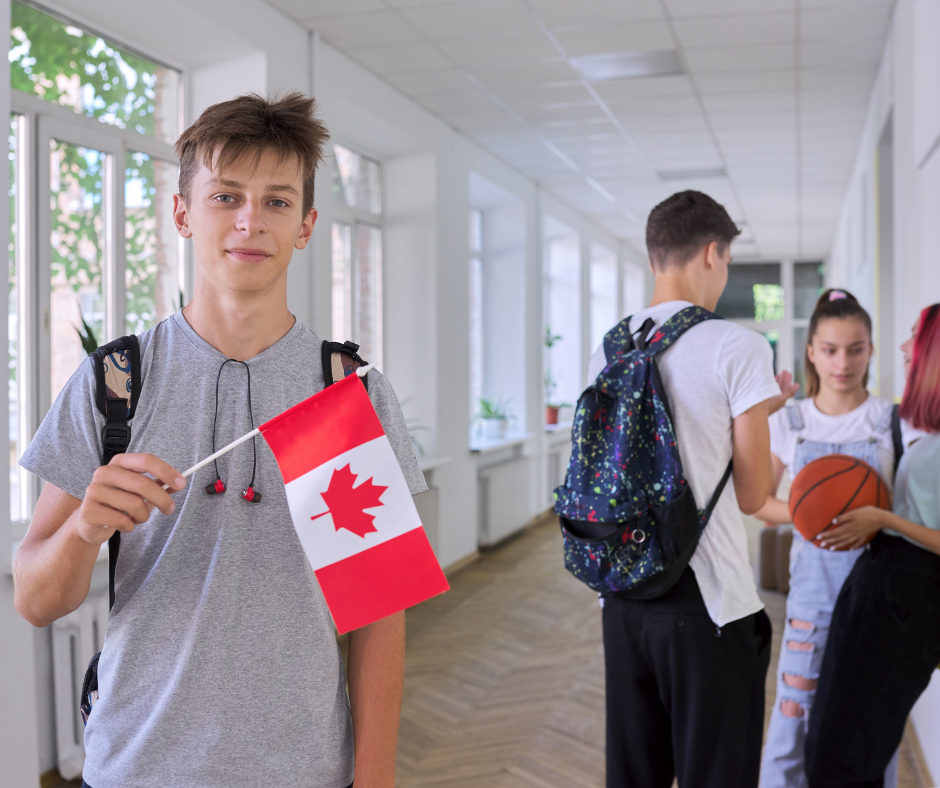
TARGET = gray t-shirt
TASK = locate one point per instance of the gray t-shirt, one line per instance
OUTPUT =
(220, 665)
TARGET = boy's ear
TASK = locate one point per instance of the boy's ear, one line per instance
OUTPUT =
(181, 216)
(306, 229)
(712, 258)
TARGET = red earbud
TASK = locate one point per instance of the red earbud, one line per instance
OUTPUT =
(251, 496)
(217, 487)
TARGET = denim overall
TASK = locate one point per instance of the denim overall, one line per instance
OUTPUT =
(816, 578)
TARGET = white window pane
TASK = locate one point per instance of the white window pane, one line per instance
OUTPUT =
(342, 271)
(634, 294)
(367, 314)
(357, 180)
(476, 230)
(603, 293)
(18, 510)
(476, 333)
(563, 316)
(58, 62)
(78, 250)
(152, 277)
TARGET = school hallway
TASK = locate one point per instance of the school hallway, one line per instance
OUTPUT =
(504, 682)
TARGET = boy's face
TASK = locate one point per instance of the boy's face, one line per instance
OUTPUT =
(246, 222)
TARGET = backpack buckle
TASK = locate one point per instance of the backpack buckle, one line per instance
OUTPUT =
(115, 439)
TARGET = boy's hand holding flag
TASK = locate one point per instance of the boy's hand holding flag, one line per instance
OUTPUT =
(351, 505)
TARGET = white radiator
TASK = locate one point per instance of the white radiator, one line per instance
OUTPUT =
(76, 638)
(504, 500)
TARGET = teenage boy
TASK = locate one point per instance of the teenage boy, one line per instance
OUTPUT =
(220, 665)
(685, 672)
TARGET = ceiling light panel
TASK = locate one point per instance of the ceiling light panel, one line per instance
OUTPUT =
(699, 174)
(628, 65)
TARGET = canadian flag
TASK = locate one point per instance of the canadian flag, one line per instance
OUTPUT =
(351, 506)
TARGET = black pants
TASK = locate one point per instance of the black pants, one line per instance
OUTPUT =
(683, 697)
(884, 644)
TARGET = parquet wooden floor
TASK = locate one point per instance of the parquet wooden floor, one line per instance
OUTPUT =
(504, 683)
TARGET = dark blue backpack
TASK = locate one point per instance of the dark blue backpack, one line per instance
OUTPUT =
(628, 517)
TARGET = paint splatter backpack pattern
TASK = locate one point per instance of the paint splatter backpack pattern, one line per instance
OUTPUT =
(628, 517)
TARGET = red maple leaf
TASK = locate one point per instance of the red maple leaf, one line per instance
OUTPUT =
(347, 503)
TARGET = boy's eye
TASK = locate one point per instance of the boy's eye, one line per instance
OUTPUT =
(278, 203)
(225, 198)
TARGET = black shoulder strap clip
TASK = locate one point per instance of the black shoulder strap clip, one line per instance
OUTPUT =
(896, 437)
(117, 389)
(340, 360)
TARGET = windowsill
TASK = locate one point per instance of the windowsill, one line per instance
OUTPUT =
(483, 446)
(565, 425)
(428, 464)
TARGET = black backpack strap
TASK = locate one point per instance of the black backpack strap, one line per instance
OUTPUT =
(340, 360)
(896, 437)
(117, 389)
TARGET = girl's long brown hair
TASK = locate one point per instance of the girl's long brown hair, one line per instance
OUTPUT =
(838, 304)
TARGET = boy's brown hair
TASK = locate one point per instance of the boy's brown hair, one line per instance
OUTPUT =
(682, 224)
(251, 125)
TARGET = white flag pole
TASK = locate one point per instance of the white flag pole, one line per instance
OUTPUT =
(361, 372)
(219, 453)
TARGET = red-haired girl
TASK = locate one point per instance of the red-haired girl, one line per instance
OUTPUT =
(885, 638)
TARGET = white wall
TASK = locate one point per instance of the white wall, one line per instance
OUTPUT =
(228, 47)
(906, 95)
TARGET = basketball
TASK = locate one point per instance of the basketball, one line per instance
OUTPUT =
(830, 486)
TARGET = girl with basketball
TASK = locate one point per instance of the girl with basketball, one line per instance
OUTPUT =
(885, 641)
(838, 416)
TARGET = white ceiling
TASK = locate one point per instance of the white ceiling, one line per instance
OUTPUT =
(774, 93)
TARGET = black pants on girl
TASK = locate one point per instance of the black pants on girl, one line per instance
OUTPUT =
(684, 698)
(884, 645)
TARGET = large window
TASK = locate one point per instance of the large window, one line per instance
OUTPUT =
(357, 252)
(776, 299)
(94, 253)
(562, 269)
(603, 293)
(477, 338)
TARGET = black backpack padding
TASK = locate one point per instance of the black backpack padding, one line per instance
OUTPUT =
(341, 359)
(118, 411)
(896, 437)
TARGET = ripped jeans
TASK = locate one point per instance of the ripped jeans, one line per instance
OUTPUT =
(816, 578)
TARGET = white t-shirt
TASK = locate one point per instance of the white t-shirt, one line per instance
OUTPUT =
(870, 419)
(713, 374)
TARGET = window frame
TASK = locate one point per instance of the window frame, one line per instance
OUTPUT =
(354, 216)
(42, 121)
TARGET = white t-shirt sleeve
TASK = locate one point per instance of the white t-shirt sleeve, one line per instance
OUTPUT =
(596, 364)
(781, 437)
(746, 366)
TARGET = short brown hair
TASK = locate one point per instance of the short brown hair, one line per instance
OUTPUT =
(252, 124)
(681, 225)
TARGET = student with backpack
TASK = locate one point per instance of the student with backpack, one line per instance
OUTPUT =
(837, 416)
(686, 640)
(220, 665)
(884, 642)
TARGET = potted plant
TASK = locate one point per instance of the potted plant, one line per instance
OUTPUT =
(549, 383)
(494, 415)
(551, 405)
